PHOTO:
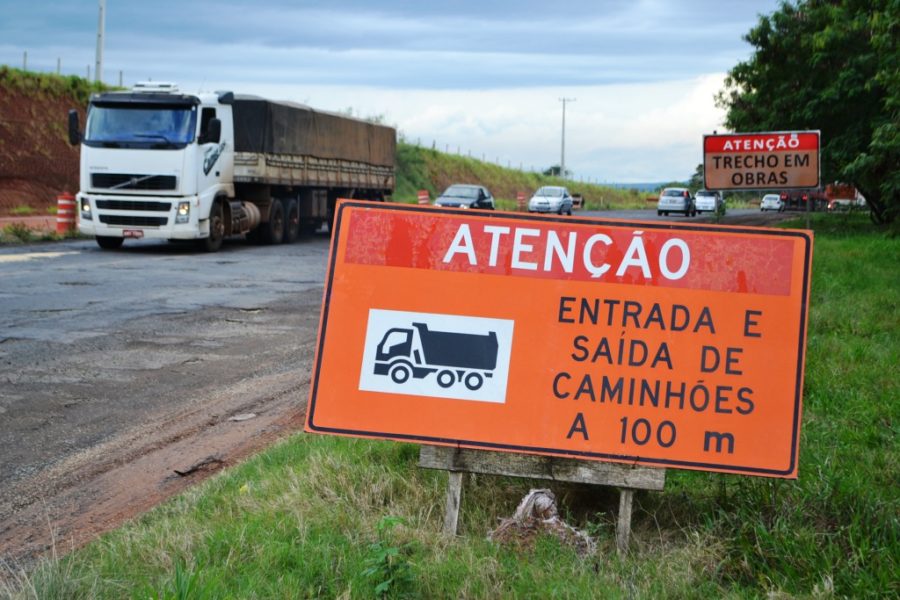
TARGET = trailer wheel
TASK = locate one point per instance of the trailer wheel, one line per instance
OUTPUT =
(109, 243)
(400, 373)
(445, 378)
(291, 222)
(273, 229)
(216, 228)
(473, 381)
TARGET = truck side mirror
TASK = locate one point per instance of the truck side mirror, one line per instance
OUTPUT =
(213, 132)
(74, 133)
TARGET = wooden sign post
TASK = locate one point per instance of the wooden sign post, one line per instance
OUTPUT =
(457, 461)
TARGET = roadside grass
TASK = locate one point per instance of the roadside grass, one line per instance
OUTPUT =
(50, 84)
(20, 233)
(421, 168)
(318, 516)
(22, 211)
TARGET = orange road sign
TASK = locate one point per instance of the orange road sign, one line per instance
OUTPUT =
(758, 161)
(638, 342)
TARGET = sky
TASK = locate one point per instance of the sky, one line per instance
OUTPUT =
(480, 78)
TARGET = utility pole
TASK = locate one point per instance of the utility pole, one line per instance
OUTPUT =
(101, 20)
(562, 162)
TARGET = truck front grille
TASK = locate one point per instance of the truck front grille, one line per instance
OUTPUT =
(132, 181)
(142, 205)
(132, 221)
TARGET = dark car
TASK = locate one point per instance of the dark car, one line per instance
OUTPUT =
(461, 195)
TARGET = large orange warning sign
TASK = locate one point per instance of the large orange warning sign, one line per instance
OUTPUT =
(637, 342)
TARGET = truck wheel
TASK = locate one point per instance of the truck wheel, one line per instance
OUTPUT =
(216, 228)
(445, 378)
(109, 243)
(400, 373)
(473, 381)
(291, 222)
(273, 229)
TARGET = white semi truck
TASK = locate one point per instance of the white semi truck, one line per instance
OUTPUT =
(157, 163)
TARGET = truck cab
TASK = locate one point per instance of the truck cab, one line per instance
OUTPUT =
(154, 162)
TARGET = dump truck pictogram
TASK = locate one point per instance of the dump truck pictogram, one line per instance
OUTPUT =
(455, 357)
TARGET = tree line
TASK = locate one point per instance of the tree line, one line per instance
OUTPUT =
(831, 65)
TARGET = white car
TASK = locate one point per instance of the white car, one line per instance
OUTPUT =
(771, 202)
(551, 198)
(707, 201)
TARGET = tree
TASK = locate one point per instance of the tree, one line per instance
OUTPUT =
(555, 170)
(696, 180)
(830, 65)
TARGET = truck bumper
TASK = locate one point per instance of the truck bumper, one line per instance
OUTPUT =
(141, 217)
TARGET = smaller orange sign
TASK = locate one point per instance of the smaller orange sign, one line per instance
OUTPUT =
(644, 343)
(423, 197)
(760, 161)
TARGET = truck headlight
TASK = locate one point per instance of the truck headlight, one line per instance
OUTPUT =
(86, 209)
(184, 212)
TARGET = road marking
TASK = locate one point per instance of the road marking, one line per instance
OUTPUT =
(12, 258)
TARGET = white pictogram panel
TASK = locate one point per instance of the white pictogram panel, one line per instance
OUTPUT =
(443, 356)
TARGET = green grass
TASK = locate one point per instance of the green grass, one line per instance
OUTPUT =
(50, 84)
(20, 233)
(22, 211)
(426, 169)
(324, 517)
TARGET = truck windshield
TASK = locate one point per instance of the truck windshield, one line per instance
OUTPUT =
(141, 126)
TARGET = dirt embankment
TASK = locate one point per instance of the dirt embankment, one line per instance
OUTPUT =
(36, 161)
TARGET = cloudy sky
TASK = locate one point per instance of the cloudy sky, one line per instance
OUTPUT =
(481, 78)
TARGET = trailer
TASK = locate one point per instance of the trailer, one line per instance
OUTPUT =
(456, 358)
(156, 163)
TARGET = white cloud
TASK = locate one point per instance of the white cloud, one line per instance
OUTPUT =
(625, 132)
(481, 77)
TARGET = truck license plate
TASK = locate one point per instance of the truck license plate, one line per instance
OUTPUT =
(133, 233)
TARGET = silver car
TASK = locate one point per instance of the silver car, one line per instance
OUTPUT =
(551, 198)
(677, 200)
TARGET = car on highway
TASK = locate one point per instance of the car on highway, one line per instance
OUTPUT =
(551, 198)
(708, 201)
(676, 200)
(464, 195)
(771, 202)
